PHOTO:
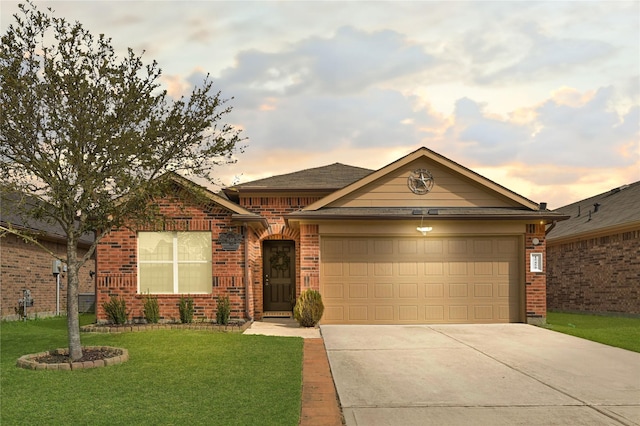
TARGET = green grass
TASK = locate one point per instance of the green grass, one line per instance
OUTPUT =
(173, 377)
(614, 331)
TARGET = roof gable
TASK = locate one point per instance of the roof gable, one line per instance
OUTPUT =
(454, 186)
(615, 209)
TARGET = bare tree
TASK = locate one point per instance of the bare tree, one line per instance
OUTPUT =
(89, 134)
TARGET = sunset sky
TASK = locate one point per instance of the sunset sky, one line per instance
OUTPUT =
(541, 97)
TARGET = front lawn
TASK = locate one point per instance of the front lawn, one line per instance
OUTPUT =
(614, 331)
(172, 377)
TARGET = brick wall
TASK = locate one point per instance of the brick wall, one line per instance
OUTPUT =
(273, 209)
(598, 275)
(117, 264)
(310, 257)
(27, 266)
(535, 282)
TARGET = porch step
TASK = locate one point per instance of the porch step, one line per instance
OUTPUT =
(277, 314)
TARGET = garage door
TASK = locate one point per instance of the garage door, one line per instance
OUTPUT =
(420, 280)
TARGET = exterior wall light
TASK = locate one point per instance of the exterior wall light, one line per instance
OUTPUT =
(424, 229)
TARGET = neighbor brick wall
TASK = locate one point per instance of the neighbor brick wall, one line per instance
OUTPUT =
(598, 275)
(117, 263)
(535, 282)
(27, 266)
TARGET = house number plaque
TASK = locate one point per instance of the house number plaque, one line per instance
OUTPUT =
(230, 241)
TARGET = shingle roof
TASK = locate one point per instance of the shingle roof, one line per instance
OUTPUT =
(331, 177)
(44, 229)
(615, 208)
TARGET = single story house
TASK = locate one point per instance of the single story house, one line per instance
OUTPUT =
(421, 240)
(25, 266)
(594, 256)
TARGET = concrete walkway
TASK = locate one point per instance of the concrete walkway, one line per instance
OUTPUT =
(480, 375)
(320, 406)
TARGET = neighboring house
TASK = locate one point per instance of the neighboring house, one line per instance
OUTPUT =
(24, 265)
(594, 256)
(350, 233)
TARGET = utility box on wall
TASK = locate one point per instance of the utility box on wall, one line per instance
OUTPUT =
(535, 262)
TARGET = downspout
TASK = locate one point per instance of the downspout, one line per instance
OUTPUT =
(247, 284)
(549, 229)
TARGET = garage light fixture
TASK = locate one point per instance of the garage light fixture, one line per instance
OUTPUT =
(423, 229)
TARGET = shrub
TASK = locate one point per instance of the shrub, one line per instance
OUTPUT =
(151, 309)
(116, 310)
(309, 308)
(186, 310)
(223, 310)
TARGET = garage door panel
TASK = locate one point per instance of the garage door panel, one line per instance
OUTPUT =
(435, 290)
(408, 313)
(433, 268)
(383, 269)
(358, 313)
(483, 290)
(421, 280)
(457, 290)
(334, 314)
(408, 290)
(383, 290)
(333, 291)
(459, 313)
(407, 269)
(358, 290)
(384, 313)
(434, 313)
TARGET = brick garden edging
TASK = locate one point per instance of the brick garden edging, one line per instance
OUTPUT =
(108, 328)
(30, 362)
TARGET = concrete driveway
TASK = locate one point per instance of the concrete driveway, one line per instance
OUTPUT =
(507, 374)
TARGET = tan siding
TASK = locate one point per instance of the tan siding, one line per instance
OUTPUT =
(450, 190)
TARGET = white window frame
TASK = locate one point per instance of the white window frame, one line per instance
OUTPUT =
(175, 262)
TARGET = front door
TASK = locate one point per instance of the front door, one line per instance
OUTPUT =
(279, 265)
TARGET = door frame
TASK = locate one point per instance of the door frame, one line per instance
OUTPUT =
(293, 267)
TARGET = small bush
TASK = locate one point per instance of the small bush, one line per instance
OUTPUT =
(309, 308)
(186, 310)
(223, 311)
(116, 310)
(151, 309)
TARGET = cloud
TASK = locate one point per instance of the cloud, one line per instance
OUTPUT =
(546, 55)
(348, 62)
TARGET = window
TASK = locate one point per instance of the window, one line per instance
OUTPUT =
(174, 262)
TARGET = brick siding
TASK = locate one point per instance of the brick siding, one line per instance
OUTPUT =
(535, 282)
(117, 260)
(273, 208)
(598, 275)
(27, 266)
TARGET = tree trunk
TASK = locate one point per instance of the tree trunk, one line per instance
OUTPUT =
(73, 321)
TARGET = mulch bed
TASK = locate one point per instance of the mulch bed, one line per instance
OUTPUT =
(88, 354)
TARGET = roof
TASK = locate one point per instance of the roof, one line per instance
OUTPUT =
(331, 178)
(42, 228)
(238, 213)
(404, 213)
(613, 210)
(437, 158)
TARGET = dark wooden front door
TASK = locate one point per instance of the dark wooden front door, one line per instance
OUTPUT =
(278, 282)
